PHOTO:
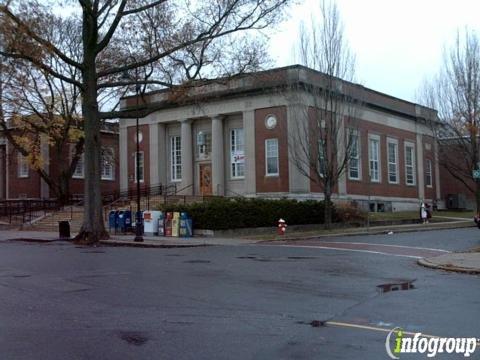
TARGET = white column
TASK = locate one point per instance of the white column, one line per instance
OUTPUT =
(297, 123)
(218, 160)
(45, 151)
(123, 149)
(420, 171)
(154, 152)
(250, 169)
(187, 157)
(162, 154)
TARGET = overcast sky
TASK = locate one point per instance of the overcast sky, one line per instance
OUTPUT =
(397, 43)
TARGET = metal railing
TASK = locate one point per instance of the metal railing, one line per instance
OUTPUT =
(23, 211)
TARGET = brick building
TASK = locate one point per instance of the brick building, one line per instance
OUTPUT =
(231, 137)
(19, 181)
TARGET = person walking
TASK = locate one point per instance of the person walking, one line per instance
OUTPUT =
(423, 213)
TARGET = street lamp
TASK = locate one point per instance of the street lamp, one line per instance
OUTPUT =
(138, 217)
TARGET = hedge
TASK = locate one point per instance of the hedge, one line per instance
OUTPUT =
(232, 213)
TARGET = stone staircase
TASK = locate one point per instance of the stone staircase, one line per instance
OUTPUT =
(50, 221)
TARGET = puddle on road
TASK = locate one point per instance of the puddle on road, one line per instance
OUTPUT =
(396, 286)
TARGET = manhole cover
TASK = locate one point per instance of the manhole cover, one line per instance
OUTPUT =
(197, 261)
(396, 286)
(246, 257)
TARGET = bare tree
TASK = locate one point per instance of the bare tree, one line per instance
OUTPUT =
(323, 149)
(166, 42)
(455, 92)
(36, 109)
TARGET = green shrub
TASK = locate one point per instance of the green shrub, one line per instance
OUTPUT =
(232, 213)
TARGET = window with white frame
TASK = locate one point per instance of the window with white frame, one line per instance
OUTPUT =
(78, 173)
(428, 173)
(392, 153)
(354, 157)
(108, 164)
(322, 160)
(237, 153)
(409, 164)
(175, 158)
(374, 158)
(141, 169)
(271, 157)
(204, 145)
(22, 166)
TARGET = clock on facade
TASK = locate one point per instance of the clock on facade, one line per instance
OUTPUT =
(140, 137)
(270, 121)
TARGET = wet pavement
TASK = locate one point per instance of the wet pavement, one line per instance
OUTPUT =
(60, 301)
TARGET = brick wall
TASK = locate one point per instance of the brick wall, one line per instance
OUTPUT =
(383, 188)
(271, 183)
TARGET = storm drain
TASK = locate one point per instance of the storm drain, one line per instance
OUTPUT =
(396, 286)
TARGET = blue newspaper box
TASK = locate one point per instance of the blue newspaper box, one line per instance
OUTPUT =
(185, 225)
(121, 220)
(128, 220)
(113, 220)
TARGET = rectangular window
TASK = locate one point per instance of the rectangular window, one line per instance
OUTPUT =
(392, 148)
(237, 153)
(428, 173)
(271, 157)
(79, 169)
(374, 158)
(22, 166)
(322, 162)
(176, 158)
(409, 164)
(354, 158)
(141, 168)
(204, 145)
(107, 164)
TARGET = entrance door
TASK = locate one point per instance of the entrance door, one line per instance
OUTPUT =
(206, 179)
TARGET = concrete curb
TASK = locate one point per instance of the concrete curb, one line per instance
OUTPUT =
(118, 243)
(373, 231)
(424, 262)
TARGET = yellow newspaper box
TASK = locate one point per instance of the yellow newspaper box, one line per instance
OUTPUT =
(175, 224)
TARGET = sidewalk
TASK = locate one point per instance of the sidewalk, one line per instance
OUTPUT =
(459, 262)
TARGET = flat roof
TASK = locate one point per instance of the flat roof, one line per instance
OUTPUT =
(272, 80)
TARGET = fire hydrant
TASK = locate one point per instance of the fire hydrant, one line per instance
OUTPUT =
(282, 226)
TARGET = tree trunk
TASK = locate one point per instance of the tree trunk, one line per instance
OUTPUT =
(327, 207)
(93, 228)
(63, 194)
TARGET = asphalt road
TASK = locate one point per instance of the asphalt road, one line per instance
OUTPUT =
(58, 301)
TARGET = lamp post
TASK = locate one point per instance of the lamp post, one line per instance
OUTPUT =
(138, 222)
(138, 215)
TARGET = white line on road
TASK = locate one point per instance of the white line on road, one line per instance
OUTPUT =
(388, 245)
(343, 249)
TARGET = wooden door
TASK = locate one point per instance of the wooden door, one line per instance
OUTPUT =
(206, 179)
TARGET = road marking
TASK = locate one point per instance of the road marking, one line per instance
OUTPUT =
(378, 329)
(389, 245)
(346, 249)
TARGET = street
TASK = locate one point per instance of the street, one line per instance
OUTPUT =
(61, 301)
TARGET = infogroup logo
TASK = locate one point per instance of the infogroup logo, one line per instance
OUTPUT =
(426, 344)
